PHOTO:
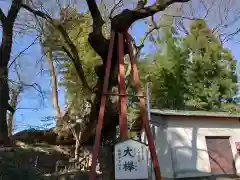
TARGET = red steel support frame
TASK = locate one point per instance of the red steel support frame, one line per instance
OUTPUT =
(122, 90)
(143, 111)
(123, 108)
(102, 110)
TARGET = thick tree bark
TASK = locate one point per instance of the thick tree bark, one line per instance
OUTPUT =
(4, 91)
(5, 51)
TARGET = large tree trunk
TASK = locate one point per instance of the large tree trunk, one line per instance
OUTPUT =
(5, 51)
(4, 94)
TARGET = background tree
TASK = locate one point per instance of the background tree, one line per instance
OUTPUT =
(213, 69)
(193, 71)
(7, 22)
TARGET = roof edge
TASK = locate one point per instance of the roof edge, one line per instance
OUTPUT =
(166, 112)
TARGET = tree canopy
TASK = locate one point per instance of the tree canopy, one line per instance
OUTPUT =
(191, 72)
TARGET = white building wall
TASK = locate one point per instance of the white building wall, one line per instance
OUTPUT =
(181, 145)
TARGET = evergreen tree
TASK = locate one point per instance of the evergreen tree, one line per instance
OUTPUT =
(168, 75)
(191, 72)
(76, 95)
(211, 75)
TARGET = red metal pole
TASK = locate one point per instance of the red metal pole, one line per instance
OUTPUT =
(143, 111)
(101, 111)
(122, 90)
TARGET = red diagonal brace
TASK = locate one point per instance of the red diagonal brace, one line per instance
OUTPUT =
(143, 111)
(101, 111)
(122, 90)
(122, 109)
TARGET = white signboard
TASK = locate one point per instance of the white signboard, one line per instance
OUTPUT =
(131, 160)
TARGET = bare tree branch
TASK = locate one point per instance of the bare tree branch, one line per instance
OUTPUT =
(124, 20)
(225, 24)
(14, 9)
(183, 17)
(231, 35)
(96, 16)
(38, 13)
(114, 8)
(207, 8)
(2, 16)
(37, 87)
(96, 39)
(22, 52)
(152, 27)
(26, 108)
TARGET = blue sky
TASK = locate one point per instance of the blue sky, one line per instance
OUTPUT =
(26, 118)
